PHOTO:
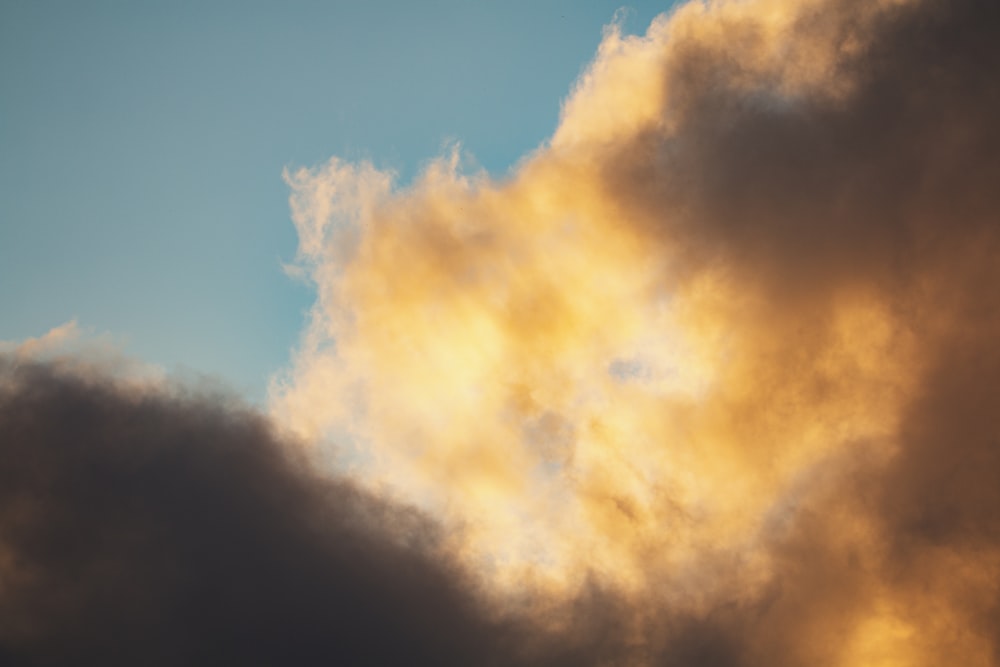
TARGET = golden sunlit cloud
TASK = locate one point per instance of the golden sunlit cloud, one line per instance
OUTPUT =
(692, 349)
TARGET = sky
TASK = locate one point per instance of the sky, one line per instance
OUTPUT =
(701, 373)
(143, 144)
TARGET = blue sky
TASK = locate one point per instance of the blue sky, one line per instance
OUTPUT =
(142, 146)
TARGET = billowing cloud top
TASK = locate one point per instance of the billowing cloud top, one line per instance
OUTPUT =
(710, 378)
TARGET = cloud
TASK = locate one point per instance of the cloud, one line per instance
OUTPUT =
(174, 528)
(55, 337)
(709, 379)
(722, 346)
(83, 351)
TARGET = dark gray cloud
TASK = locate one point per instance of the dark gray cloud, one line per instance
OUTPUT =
(171, 529)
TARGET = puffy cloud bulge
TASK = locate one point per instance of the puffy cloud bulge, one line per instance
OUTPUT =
(710, 378)
(725, 342)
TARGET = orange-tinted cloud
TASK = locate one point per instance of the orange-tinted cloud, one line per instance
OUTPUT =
(723, 346)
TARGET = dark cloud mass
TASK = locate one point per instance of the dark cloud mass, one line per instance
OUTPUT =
(166, 530)
(835, 207)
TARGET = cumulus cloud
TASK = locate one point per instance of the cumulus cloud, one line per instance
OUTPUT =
(175, 528)
(724, 345)
(710, 378)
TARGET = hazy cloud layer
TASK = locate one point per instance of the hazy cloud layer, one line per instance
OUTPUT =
(709, 379)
